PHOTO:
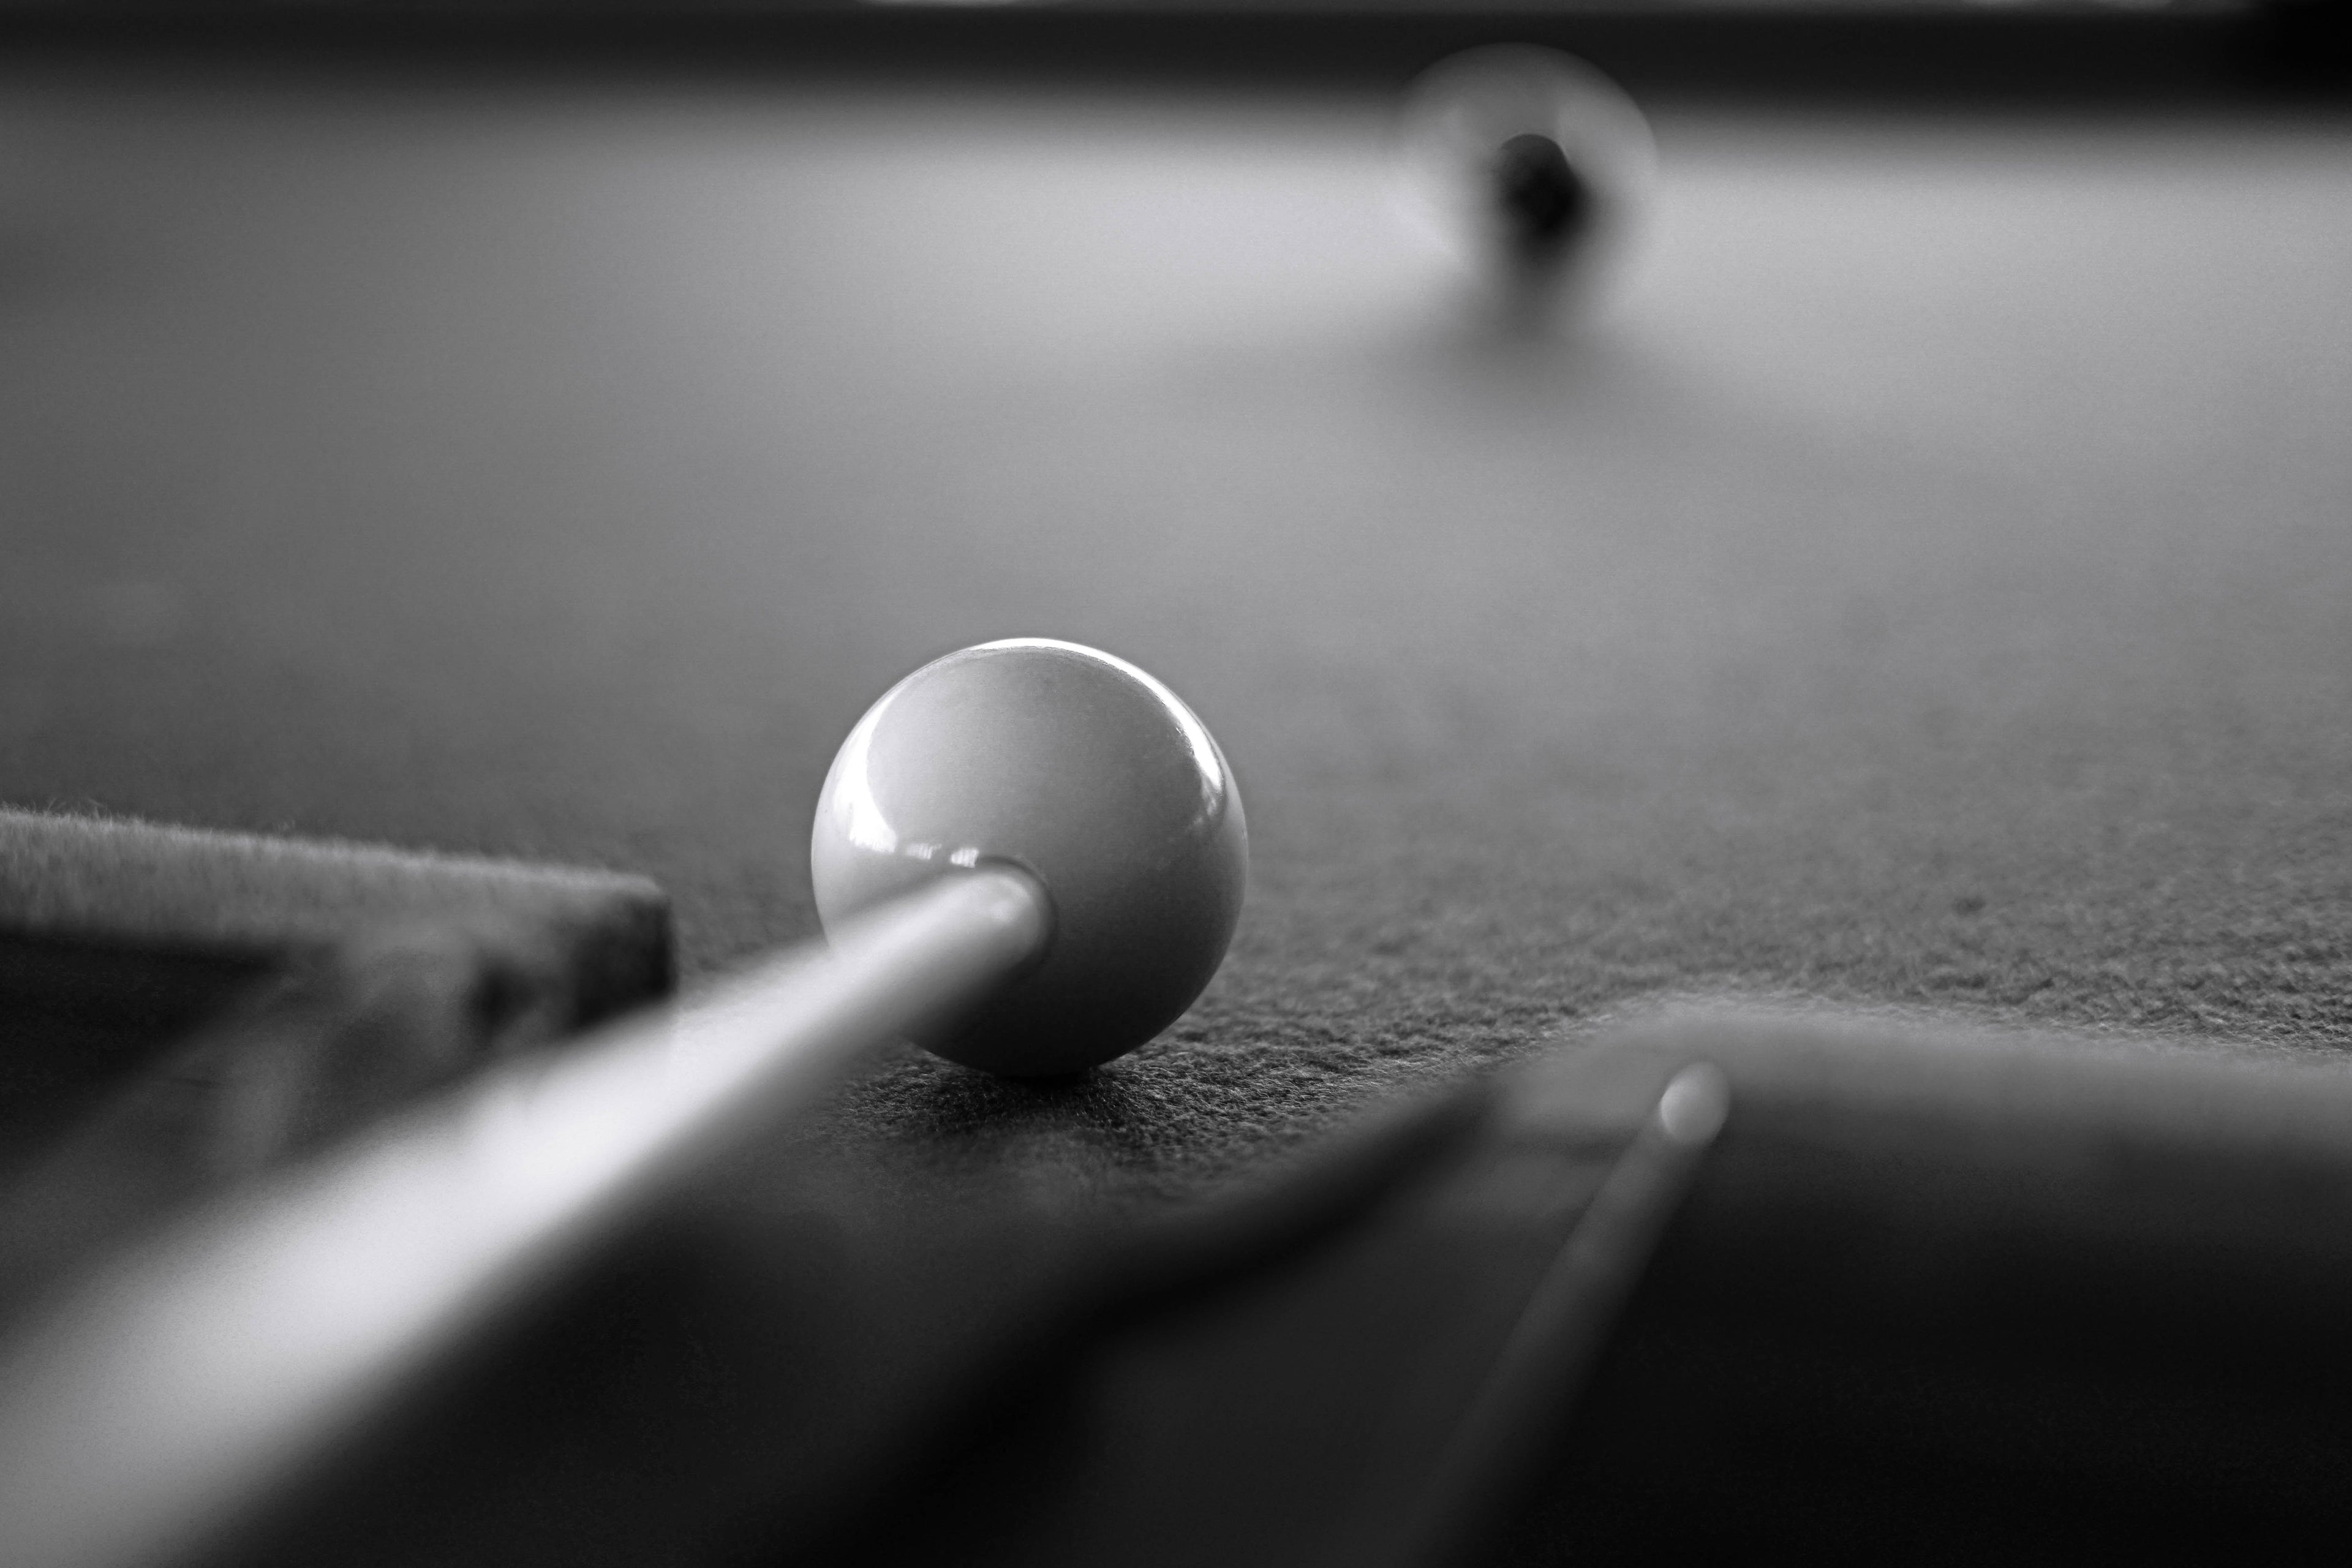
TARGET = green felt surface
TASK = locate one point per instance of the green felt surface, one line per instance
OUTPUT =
(1928, 588)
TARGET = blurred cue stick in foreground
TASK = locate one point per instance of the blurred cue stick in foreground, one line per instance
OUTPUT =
(1535, 1378)
(149, 1408)
(1929, 1282)
(2025, 1294)
(1371, 1394)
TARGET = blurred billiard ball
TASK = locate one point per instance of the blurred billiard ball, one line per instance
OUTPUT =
(1531, 166)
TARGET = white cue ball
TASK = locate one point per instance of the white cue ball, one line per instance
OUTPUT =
(1087, 772)
(1532, 168)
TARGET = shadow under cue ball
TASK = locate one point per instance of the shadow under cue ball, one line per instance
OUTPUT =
(1089, 774)
(1531, 167)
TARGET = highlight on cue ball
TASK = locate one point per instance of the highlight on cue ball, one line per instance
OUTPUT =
(1531, 167)
(1083, 771)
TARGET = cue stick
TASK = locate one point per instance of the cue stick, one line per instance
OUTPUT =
(159, 1402)
(1534, 1379)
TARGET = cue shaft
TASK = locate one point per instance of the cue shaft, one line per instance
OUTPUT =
(1563, 1326)
(162, 1401)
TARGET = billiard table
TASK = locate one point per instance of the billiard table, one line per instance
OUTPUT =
(1916, 595)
